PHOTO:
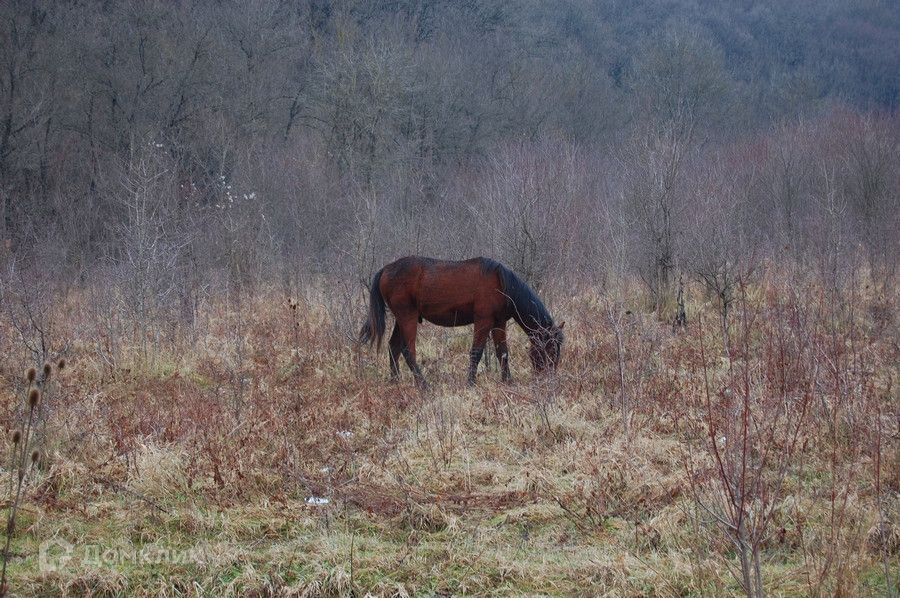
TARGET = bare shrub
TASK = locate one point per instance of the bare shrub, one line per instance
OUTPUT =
(527, 206)
(149, 244)
(716, 250)
(744, 430)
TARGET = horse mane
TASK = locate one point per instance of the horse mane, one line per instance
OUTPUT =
(527, 309)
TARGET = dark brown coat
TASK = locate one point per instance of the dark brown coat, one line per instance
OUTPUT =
(478, 291)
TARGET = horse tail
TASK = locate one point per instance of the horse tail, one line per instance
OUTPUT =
(373, 329)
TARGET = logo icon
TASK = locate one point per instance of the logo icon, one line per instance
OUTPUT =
(54, 554)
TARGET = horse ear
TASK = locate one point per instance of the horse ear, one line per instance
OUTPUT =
(561, 324)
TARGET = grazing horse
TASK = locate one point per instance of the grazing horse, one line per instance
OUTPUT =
(479, 291)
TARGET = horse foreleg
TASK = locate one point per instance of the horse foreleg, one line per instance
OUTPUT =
(482, 329)
(408, 329)
(502, 350)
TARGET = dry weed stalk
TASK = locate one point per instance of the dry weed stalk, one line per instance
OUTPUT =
(19, 468)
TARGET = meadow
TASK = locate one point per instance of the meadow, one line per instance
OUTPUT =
(261, 452)
(195, 197)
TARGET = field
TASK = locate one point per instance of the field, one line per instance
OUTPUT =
(196, 196)
(260, 452)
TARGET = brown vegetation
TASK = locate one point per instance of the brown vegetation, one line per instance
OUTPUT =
(194, 198)
(777, 453)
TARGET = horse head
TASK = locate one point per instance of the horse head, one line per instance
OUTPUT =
(546, 346)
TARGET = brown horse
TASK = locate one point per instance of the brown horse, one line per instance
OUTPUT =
(479, 291)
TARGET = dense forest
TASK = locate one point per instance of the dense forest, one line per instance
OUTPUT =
(269, 138)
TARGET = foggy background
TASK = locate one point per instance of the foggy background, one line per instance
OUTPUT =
(177, 148)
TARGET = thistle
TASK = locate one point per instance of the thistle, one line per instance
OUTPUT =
(17, 462)
(61, 365)
(34, 397)
(47, 371)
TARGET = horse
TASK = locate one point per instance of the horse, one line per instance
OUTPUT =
(478, 291)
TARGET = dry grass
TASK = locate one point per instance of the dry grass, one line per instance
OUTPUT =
(217, 441)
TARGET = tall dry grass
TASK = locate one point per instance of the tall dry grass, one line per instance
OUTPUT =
(756, 456)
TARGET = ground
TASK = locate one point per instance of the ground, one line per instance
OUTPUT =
(260, 452)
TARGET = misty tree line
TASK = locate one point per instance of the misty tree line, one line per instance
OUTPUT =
(168, 145)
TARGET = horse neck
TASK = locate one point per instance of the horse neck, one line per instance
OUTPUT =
(532, 332)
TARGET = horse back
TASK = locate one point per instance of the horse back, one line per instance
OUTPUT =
(445, 292)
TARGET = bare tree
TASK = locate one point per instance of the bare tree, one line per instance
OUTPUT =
(679, 81)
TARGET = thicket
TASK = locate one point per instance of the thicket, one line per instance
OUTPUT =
(166, 149)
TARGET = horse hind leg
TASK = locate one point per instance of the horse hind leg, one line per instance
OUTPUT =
(479, 339)
(395, 349)
(408, 330)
